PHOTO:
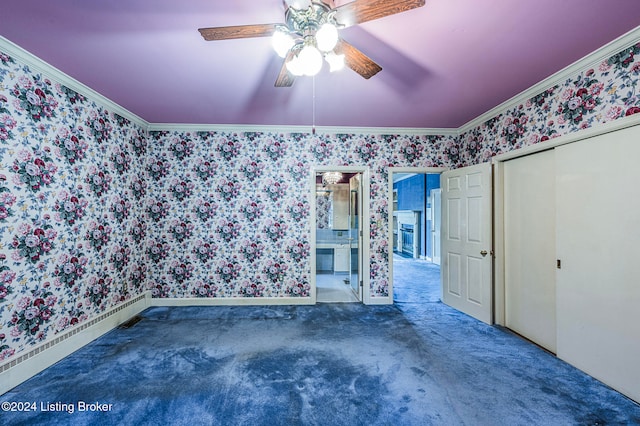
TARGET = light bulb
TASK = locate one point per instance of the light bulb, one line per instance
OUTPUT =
(282, 42)
(327, 37)
(298, 4)
(294, 66)
(311, 60)
(336, 62)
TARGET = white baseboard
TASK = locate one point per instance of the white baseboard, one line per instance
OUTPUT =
(26, 365)
(232, 301)
(379, 301)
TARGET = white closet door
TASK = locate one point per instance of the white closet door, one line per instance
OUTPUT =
(598, 287)
(530, 239)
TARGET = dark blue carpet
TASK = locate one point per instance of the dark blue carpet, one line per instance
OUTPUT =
(415, 281)
(414, 363)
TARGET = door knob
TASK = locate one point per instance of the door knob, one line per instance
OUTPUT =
(483, 253)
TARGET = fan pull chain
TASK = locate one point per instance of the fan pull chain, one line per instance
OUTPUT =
(313, 106)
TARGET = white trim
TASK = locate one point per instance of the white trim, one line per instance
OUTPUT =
(499, 308)
(366, 226)
(392, 171)
(231, 301)
(379, 300)
(328, 130)
(37, 64)
(312, 235)
(407, 176)
(592, 60)
(32, 361)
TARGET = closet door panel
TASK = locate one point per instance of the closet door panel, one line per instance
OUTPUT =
(530, 238)
(598, 238)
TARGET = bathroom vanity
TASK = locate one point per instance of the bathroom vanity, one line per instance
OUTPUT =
(333, 252)
(333, 244)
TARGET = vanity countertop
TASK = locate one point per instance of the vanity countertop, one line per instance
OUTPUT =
(335, 243)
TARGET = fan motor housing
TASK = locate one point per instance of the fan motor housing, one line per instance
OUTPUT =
(306, 21)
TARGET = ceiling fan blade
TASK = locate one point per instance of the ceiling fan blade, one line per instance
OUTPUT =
(285, 78)
(360, 11)
(357, 61)
(402, 72)
(239, 31)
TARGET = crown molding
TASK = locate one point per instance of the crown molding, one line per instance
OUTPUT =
(38, 65)
(589, 61)
(326, 130)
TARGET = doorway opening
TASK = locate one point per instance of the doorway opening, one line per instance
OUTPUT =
(414, 234)
(339, 249)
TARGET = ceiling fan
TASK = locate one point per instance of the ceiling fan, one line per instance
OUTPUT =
(310, 34)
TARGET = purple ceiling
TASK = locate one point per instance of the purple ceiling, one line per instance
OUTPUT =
(443, 64)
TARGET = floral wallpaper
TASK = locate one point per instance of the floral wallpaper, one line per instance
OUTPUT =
(323, 209)
(594, 96)
(236, 221)
(95, 210)
(71, 235)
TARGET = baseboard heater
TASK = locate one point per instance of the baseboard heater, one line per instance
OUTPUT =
(67, 334)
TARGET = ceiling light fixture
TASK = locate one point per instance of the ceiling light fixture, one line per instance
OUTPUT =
(282, 42)
(327, 37)
(316, 23)
(310, 35)
(336, 62)
(308, 61)
(331, 178)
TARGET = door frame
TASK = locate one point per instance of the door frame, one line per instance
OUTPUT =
(366, 244)
(435, 242)
(392, 170)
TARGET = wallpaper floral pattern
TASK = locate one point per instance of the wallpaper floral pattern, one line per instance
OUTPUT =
(95, 210)
(243, 230)
(68, 241)
(594, 96)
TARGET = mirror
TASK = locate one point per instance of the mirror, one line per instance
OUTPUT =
(332, 204)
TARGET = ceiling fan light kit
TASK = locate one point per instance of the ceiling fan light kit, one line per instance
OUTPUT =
(282, 42)
(327, 37)
(307, 62)
(335, 61)
(311, 33)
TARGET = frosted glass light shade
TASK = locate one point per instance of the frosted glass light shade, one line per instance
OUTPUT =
(336, 62)
(281, 43)
(327, 37)
(298, 4)
(294, 66)
(311, 60)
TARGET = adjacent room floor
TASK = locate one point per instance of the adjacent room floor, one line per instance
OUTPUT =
(417, 362)
(335, 288)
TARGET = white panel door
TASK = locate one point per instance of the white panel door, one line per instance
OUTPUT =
(530, 247)
(466, 241)
(598, 231)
